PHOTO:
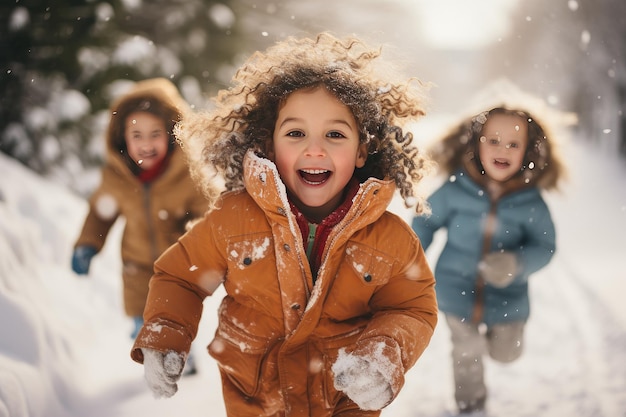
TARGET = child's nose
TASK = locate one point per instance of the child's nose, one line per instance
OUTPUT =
(315, 147)
(146, 144)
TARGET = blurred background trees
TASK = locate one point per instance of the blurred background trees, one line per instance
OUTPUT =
(573, 53)
(62, 62)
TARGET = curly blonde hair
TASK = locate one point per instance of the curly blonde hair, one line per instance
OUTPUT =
(245, 114)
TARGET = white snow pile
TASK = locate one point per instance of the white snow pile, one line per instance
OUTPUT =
(36, 347)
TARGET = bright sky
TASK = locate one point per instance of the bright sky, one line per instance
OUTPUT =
(462, 24)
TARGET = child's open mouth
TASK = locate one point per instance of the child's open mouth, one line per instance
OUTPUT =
(314, 176)
(502, 163)
(145, 157)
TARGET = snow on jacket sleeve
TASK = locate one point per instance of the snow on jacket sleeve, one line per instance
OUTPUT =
(405, 311)
(100, 218)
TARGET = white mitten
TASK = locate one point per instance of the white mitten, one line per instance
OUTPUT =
(361, 381)
(162, 371)
(499, 268)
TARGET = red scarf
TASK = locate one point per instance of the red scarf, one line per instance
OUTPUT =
(326, 225)
(148, 175)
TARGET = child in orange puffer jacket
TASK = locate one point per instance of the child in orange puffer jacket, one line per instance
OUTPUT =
(329, 298)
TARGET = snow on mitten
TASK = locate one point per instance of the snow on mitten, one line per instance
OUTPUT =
(162, 371)
(361, 381)
(498, 268)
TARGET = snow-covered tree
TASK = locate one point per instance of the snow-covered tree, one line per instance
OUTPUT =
(63, 62)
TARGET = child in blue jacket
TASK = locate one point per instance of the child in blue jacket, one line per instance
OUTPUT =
(499, 232)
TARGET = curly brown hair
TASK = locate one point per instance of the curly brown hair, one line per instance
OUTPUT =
(244, 115)
(541, 166)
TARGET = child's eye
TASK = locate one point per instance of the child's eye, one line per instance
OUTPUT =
(494, 141)
(335, 134)
(513, 145)
(295, 134)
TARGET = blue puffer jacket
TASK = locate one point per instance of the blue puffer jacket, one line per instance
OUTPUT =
(523, 225)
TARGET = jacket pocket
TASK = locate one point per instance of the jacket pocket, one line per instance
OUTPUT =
(245, 251)
(371, 267)
(239, 355)
(362, 271)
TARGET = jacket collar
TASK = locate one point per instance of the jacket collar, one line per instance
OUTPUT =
(263, 183)
(175, 168)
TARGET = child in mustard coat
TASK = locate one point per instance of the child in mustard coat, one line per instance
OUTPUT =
(145, 180)
(329, 298)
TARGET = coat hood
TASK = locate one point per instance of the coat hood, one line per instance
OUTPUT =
(261, 175)
(157, 96)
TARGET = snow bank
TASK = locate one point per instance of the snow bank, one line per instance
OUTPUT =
(47, 314)
(35, 350)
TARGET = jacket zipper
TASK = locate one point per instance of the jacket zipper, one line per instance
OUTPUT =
(149, 221)
(479, 289)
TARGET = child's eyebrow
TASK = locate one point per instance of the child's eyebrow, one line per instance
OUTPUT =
(343, 122)
(289, 119)
(297, 119)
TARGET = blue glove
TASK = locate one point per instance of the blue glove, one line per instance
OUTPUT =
(81, 259)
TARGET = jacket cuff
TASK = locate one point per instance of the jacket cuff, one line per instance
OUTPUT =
(162, 336)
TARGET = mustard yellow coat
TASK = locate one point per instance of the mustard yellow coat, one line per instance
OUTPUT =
(155, 214)
(278, 334)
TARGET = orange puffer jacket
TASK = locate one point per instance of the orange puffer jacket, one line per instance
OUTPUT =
(278, 334)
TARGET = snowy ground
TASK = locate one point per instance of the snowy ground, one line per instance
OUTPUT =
(64, 349)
